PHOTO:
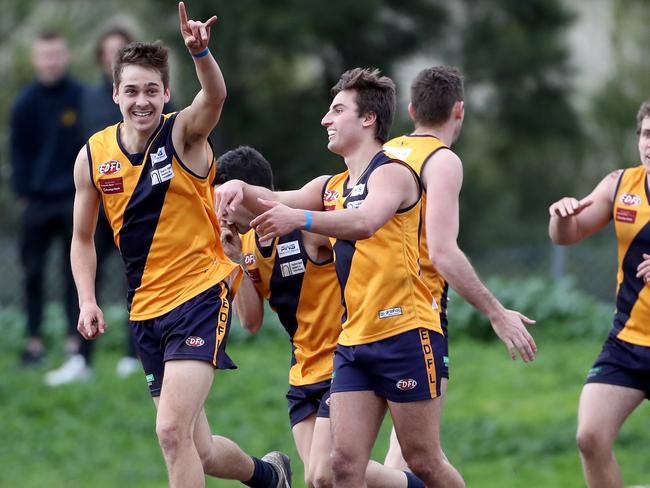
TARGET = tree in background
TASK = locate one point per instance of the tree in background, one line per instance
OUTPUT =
(524, 140)
(280, 59)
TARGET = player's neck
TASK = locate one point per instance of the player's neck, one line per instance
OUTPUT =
(443, 132)
(358, 159)
(134, 141)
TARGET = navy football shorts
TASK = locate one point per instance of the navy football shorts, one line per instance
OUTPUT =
(306, 400)
(403, 368)
(197, 329)
(623, 364)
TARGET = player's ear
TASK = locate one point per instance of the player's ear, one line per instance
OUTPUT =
(369, 118)
(459, 110)
(168, 95)
(411, 111)
(115, 92)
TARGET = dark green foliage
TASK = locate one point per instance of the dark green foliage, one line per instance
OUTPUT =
(560, 309)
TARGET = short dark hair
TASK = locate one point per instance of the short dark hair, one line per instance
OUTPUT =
(644, 111)
(115, 31)
(375, 94)
(50, 36)
(150, 55)
(246, 164)
(434, 92)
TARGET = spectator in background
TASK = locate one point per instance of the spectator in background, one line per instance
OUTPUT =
(45, 138)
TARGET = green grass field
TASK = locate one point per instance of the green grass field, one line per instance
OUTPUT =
(505, 424)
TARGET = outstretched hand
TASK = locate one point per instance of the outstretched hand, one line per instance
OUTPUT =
(568, 206)
(196, 34)
(278, 220)
(510, 327)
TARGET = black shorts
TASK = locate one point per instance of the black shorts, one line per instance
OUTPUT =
(403, 368)
(306, 400)
(197, 329)
(623, 364)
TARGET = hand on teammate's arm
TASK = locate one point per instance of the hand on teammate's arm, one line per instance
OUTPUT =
(83, 257)
(249, 305)
(643, 269)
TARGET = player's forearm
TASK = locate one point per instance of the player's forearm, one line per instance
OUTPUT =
(213, 85)
(249, 306)
(83, 259)
(456, 269)
(348, 224)
(564, 230)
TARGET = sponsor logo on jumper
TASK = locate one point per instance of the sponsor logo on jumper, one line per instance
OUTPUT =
(625, 215)
(112, 185)
(630, 199)
(399, 152)
(249, 259)
(355, 204)
(158, 156)
(330, 195)
(161, 175)
(406, 384)
(150, 378)
(358, 190)
(194, 341)
(292, 268)
(288, 249)
(390, 312)
(109, 167)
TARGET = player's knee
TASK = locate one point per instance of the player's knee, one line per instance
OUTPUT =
(425, 467)
(590, 441)
(343, 466)
(170, 436)
(320, 477)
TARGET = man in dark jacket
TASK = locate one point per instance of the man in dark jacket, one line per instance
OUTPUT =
(45, 138)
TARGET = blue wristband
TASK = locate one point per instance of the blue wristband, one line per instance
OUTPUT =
(205, 52)
(307, 220)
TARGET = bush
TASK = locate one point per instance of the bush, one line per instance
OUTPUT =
(557, 306)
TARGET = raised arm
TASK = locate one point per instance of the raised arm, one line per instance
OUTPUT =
(572, 220)
(83, 257)
(443, 177)
(195, 122)
(390, 188)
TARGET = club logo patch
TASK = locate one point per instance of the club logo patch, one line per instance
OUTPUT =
(625, 215)
(390, 312)
(292, 268)
(406, 384)
(194, 341)
(158, 156)
(355, 204)
(109, 167)
(112, 185)
(630, 199)
(358, 190)
(160, 175)
(288, 249)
